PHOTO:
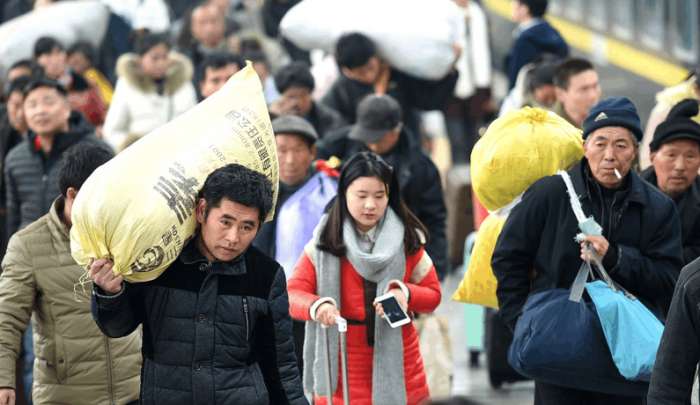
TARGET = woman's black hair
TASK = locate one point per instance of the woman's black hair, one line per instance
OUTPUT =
(145, 40)
(368, 164)
(86, 49)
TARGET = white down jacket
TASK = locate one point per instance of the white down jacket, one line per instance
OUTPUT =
(137, 107)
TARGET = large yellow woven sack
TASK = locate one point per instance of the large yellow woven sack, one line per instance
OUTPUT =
(479, 284)
(138, 209)
(518, 149)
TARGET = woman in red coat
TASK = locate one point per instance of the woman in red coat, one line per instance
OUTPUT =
(369, 243)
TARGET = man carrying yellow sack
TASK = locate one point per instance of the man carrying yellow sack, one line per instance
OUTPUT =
(517, 150)
(216, 324)
(75, 363)
(640, 242)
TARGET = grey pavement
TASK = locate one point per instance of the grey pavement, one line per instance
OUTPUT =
(473, 383)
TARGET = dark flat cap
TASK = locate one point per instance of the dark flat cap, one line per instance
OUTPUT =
(376, 115)
(292, 124)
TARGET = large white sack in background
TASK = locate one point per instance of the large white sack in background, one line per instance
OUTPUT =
(67, 21)
(138, 208)
(414, 36)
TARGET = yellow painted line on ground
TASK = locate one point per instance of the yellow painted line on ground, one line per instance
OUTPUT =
(653, 68)
(575, 35)
(499, 7)
(616, 52)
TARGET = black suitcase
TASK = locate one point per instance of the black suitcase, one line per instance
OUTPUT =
(498, 339)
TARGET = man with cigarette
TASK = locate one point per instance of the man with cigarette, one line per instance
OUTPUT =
(640, 245)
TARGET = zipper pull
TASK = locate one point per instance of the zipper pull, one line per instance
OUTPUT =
(245, 312)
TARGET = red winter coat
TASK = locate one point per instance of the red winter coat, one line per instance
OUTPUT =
(424, 296)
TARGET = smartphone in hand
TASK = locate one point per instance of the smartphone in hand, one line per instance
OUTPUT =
(393, 313)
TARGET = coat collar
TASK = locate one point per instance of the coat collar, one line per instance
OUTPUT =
(78, 129)
(401, 156)
(524, 26)
(692, 195)
(57, 227)
(694, 191)
(192, 256)
(559, 109)
(583, 181)
(179, 73)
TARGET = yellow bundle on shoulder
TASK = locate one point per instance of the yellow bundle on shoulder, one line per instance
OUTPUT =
(479, 284)
(138, 209)
(517, 150)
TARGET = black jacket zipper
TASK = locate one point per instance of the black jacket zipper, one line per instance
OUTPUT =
(245, 312)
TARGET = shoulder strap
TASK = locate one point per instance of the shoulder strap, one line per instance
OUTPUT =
(573, 197)
(588, 226)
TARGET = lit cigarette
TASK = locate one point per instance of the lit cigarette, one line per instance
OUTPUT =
(618, 175)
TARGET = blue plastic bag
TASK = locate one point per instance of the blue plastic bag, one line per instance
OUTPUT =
(633, 333)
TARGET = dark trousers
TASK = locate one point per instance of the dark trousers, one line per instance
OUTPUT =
(547, 394)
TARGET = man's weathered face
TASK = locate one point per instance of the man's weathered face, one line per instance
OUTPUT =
(15, 111)
(262, 70)
(545, 95)
(208, 25)
(226, 231)
(676, 165)
(608, 149)
(582, 93)
(385, 143)
(295, 157)
(54, 63)
(46, 111)
(300, 100)
(215, 78)
(367, 73)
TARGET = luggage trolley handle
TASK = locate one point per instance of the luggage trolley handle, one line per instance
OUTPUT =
(342, 331)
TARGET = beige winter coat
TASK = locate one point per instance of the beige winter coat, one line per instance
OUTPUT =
(75, 363)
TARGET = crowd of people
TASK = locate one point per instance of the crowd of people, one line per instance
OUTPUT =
(241, 315)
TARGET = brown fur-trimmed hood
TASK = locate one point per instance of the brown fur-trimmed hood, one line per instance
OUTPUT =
(179, 73)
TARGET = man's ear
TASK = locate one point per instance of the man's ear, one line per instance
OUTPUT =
(348, 73)
(71, 193)
(651, 156)
(200, 210)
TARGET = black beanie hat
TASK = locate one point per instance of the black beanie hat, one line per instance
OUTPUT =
(678, 125)
(613, 112)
